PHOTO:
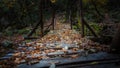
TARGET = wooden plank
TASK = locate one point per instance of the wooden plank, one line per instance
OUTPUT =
(86, 63)
(89, 64)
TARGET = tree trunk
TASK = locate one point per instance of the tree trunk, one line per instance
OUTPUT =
(83, 22)
(81, 17)
(39, 23)
(67, 11)
(70, 14)
(53, 15)
(41, 18)
(70, 19)
(116, 41)
(96, 9)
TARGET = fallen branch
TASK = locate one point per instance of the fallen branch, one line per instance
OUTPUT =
(88, 26)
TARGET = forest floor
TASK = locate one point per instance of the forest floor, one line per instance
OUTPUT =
(59, 43)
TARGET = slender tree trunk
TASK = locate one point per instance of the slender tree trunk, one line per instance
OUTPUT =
(41, 18)
(39, 23)
(83, 22)
(70, 19)
(70, 13)
(53, 16)
(67, 11)
(81, 17)
(116, 41)
(96, 9)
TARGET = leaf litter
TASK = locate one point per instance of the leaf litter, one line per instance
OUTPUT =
(61, 42)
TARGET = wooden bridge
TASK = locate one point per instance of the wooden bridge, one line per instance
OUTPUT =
(61, 47)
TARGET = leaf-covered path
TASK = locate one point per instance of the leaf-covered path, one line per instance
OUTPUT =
(61, 43)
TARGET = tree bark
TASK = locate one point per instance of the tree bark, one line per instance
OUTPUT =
(70, 14)
(81, 17)
(41, 18)
(83, 22)
(68, 11)
(53, 15)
